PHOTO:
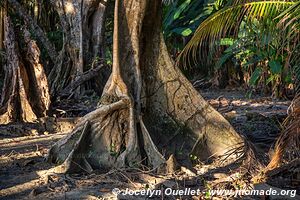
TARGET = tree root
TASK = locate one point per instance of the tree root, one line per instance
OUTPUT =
(72, 162)
(105, 138)
(144, 75)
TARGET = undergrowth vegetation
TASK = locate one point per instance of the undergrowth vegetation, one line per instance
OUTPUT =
(257, 39)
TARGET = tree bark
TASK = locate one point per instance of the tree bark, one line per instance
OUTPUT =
(37, 30)
(25, 94)
(2, 15)
(146, 101)
(39, 95)
(82, 22)
(86, 76)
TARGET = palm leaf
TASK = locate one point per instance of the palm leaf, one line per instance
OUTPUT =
(288, 143)
(290, 18)
(227, 21)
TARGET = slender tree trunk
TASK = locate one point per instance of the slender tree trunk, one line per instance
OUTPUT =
(146, 101)
(25, 94)
(1, 28)
(2, 16)
(82, 22)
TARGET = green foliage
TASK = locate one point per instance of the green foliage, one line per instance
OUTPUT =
(56, 37)
(182, 17)
(108, 56)
(259, 36)
(255, 76)
(112, 150)
(258, 51)
(275, 67)
(227, 21)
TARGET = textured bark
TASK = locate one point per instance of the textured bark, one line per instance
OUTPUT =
(2, 15)
(86, 76)
(39, 95)
(25, 94)
(14, 102)
(34, 26)
(82, 23)
(146, 102)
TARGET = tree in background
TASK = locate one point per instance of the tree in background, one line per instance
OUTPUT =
(2, 16)
(25, 95)
(83, 25)
(28, 98)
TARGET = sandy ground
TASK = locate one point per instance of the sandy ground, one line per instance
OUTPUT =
(24, 174)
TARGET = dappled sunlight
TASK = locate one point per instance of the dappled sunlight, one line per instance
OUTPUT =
(69, 8)
(159, 99)
(19, 188)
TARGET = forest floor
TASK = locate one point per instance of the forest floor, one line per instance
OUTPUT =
(24, 174)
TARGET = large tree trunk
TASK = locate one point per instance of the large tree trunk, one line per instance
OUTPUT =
(25, 95)
(82, 22)
(147, 107)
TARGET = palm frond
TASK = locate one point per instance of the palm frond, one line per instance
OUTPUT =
(167, 2)
(291, 18)
(227, 22)
(288, 143)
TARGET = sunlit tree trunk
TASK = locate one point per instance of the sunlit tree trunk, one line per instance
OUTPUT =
(82, 23)
(25, 95)
(2, 15)
(37, 9)
(148, 110)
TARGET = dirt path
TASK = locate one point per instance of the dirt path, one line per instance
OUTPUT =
(21, 159)
(259, 118)
(25, 174)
